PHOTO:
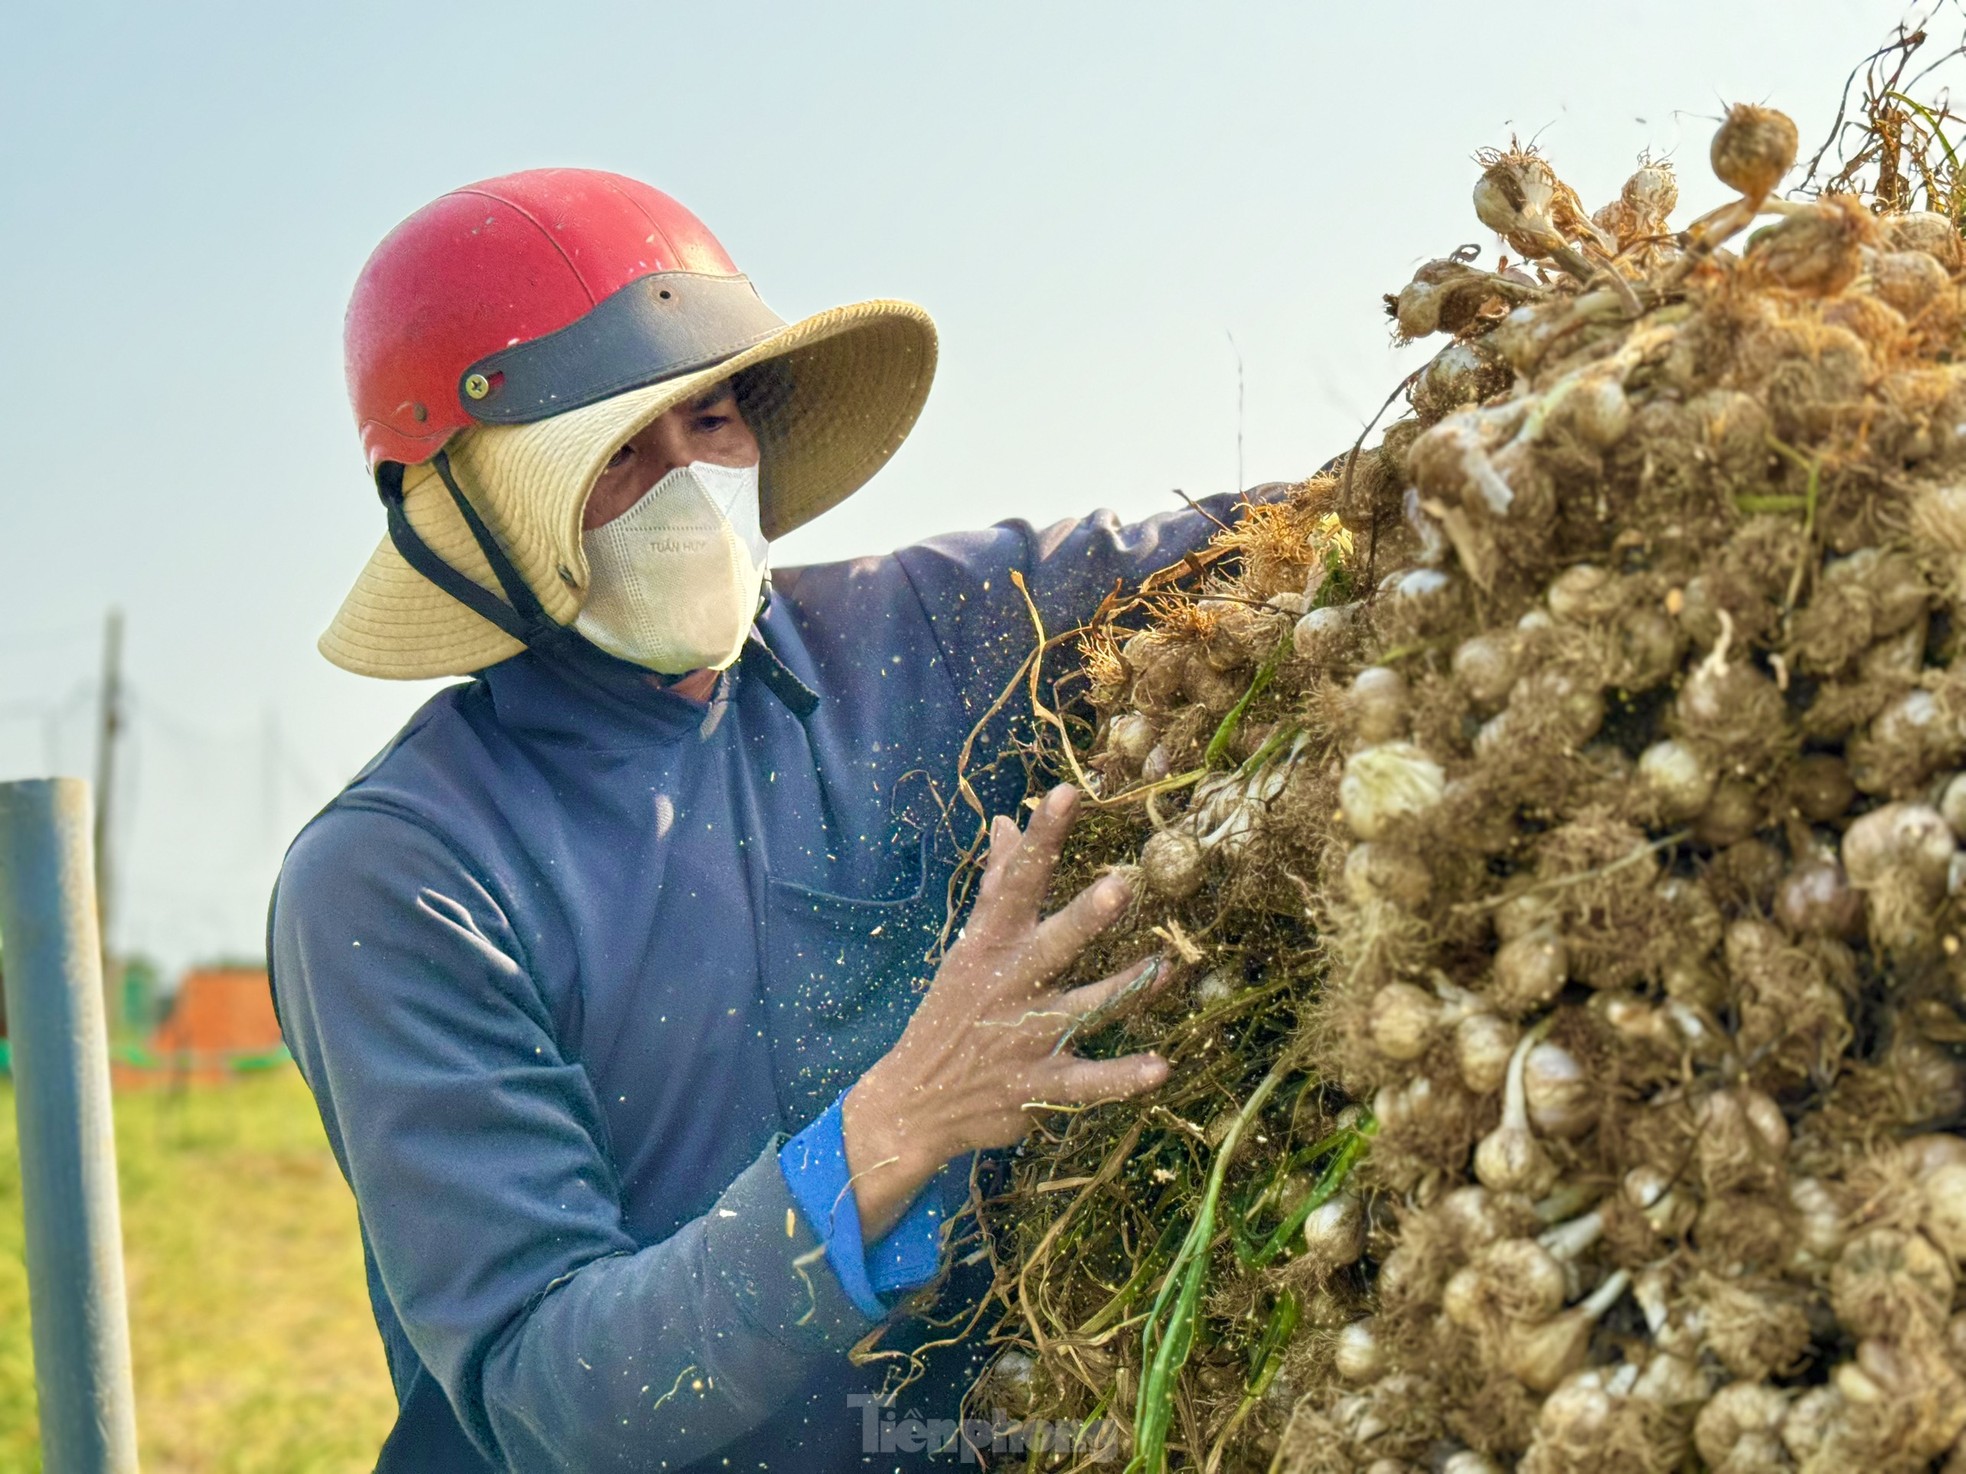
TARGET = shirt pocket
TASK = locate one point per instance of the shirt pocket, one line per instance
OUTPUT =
(842, 975)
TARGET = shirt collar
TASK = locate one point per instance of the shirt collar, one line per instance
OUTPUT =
(584, 695)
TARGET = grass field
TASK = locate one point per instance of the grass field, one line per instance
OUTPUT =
(249, 1322)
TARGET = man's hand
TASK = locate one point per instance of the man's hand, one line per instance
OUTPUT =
(982, 1050)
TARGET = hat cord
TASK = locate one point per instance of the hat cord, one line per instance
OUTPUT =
(525, 619)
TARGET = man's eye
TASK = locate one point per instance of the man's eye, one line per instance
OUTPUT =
(710, 424)
(620, 457)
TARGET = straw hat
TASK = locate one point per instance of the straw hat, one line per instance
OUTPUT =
(830, 398)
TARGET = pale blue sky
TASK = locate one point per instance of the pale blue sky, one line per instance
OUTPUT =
(1089, 197)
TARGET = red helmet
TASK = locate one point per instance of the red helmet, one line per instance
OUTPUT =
(519, 297)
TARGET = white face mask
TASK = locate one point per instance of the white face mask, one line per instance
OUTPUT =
(675, 579)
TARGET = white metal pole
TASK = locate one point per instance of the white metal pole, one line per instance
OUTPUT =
(60, 1043)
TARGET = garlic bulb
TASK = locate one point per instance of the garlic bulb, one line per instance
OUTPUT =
(1647, 198)
(1814, 249)
(1636, 1020)
(1817, 899)
(1820, 786)
(1731, 815)
(1376, 704)
(1741, 1139)
(1472, 1215)
(1417, 309)
(1572, 1420)
(1819, 1223)
(1358, 1354)
(1914, 731)
(1911, 837)
(1651, 192)
(1811, 1421)
(1595, 409)
(1464, 372)
(1215, 690)
(1910, 281)
(1888, 1282)
(1581, 592)
(1944, 1219)
(1402, 1277)
(1927, 231)
(1560, 1094)
(1397, 1106)
(1952, 804)
(1677, 779)
(1131, 736)
(1322, 634)
(1486, 667)
(1483, 1043)
(1650, 1190)
(1159, 670)
(1905, 1399)
(1172, 863)
(1676, 1328)
(1645, 1185)
(1542, 1355)
(1753, 149)
(1523, 1278)
(1901, 855)
(1529, 971)
(1424, 597)
(1571, 705)
(1386, 784)
(1403, 1021)
(1509, 1280)
(1384, 872)
(1523, 913)
(1509, 1158)
(1672, 1381)
(1741, 1427)
(1214, 988)
(1767, 1119)
(1334, 1233)
(1515, 197)
(1716, 698)
(1926, 1154)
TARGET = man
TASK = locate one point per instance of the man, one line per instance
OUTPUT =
(608, 973)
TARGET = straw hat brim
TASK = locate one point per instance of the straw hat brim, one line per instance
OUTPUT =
(830, 398)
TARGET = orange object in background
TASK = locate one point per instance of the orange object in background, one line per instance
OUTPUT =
(220, 1015)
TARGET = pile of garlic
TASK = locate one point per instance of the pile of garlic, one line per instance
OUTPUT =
(1619, 785)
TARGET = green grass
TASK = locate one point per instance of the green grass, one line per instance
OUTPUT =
(249, 1322)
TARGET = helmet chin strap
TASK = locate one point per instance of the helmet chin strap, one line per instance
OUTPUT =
(524, 618)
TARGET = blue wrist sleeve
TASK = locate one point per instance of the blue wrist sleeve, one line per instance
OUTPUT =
(906, 1256)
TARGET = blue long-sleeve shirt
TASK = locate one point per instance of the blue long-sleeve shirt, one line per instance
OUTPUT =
(566, 963)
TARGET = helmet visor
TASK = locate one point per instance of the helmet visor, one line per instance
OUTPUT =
(661, 326)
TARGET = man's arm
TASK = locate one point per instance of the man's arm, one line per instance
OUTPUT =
(494, 1215)
(923, 1103)
(981, 620)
